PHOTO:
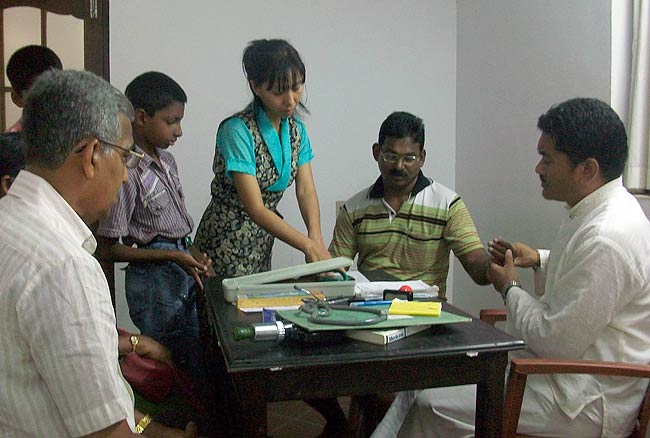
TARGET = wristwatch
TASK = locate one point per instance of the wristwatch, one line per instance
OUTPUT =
(539, 261)
(134, 341)
(507, 287)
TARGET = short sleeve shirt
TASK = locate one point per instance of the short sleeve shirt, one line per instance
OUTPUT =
(236, 144)
(151, 203)
(412, 243)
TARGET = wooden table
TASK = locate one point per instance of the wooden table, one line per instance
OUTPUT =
(445, 355)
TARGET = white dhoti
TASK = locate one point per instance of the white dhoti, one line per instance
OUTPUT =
(449, 413)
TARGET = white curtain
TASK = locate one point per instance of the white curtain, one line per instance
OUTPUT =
(637, 175)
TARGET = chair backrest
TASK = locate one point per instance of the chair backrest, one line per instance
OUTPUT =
(492, 316)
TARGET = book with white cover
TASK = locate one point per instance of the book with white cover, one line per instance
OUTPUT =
(383, 337)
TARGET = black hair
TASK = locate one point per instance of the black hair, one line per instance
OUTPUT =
(27, 63)
(153, 91)
(274, 62)
(401, 124)
(585, 128)
(12, 157)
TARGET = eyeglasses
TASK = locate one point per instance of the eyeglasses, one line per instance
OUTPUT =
(393, 158)
(131, 160)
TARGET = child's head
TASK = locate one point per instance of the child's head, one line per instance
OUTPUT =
(25, 65)
(12, 160)
(159, 104)
(274, 64)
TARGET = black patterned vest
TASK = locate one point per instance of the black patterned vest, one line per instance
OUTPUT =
(236, 244)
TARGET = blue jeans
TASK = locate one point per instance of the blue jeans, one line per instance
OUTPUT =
(162, 297)
(162, 304)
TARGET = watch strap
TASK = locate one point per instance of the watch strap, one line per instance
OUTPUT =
(508, 286)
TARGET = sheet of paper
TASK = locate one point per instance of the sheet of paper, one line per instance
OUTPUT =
(375, 289)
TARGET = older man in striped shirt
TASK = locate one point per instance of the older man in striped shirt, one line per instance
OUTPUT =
(59, 370)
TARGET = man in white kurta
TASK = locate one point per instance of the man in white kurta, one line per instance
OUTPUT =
(596, 301)
(59, 371)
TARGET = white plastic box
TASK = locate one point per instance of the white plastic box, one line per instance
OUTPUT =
(284, 279)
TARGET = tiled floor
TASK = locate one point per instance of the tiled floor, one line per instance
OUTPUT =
(296, 419)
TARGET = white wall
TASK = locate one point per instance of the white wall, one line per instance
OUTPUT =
(515, 59)
(479, 74)
(364, 58)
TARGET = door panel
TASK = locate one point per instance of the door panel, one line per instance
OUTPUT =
(65, 35)
(77, 30)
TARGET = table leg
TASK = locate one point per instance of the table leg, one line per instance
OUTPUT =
(252, 402)
(489, 396)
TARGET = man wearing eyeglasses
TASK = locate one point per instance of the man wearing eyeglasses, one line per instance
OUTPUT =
(405, 224)
(59, 369)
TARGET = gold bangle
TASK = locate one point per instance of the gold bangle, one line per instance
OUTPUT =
(143, 423)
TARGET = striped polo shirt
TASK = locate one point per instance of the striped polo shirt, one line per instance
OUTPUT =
(412, 243)
(150, 204)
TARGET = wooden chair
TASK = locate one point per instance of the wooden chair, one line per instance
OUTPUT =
(522, 367)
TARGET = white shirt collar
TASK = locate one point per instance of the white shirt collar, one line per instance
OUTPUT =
(596, 197)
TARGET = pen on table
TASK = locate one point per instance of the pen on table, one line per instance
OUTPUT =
(302, 289)
(337, 300)
(371, 303)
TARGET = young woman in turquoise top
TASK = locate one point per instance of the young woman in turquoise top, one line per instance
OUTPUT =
(260, 152)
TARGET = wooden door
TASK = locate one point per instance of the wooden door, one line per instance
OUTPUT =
(77, 30)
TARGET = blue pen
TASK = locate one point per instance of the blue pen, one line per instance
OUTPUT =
(371, 303)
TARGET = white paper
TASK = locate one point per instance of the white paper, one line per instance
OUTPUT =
(375, 289)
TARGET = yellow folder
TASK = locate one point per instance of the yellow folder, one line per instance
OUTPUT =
(415, 308)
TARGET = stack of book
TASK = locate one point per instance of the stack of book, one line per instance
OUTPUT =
(383, 337)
